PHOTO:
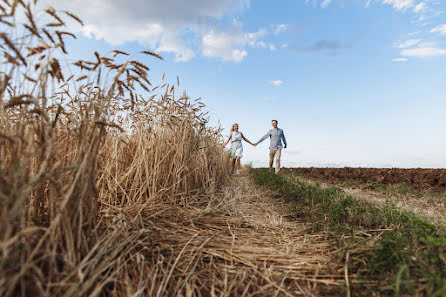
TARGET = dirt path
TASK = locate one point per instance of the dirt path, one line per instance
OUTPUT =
(433, 208)
(260, 236)
(243, 242)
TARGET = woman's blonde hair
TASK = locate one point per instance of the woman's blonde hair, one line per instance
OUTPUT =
(232, 128)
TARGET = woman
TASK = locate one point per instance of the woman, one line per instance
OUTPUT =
(236, 150)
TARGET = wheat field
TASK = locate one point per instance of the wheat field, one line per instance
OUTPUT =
(91, 154)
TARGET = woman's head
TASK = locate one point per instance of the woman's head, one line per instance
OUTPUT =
(234, 127)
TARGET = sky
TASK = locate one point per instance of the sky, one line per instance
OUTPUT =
(351, 82)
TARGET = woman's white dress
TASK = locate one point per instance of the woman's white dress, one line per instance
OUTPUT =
(236, 145)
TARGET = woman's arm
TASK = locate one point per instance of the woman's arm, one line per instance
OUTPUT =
(229, 138)
(246, 139)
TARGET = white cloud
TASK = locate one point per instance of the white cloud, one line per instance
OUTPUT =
(439, 29)
(400, 60)
(399, 4)
(325, 3)
(424, 50)
(407, 43)
(272, 47)
(159, 24)
(276, 82)
(414, 33)
(420, 7)
(253, 39)
(230, 46)
(261, 44)
(158, 37)
(280, 28)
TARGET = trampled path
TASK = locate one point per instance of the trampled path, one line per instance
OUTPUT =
(245, 241)
(262, 240)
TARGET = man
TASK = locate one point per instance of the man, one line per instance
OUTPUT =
(276, 136)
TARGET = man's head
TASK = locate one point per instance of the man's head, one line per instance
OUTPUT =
(274, 123)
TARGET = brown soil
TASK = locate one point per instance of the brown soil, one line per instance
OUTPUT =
(420, 179)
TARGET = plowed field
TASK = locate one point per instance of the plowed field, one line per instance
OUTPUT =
(421, 179)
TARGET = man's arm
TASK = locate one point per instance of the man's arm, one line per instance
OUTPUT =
(264, 137)
(284, 139)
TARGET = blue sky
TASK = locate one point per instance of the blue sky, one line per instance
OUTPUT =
(352, 82)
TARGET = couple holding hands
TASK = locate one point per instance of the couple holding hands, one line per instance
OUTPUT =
(276, 136)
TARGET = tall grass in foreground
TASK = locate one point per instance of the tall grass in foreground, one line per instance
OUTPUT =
(83, 156)
(391, 251)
